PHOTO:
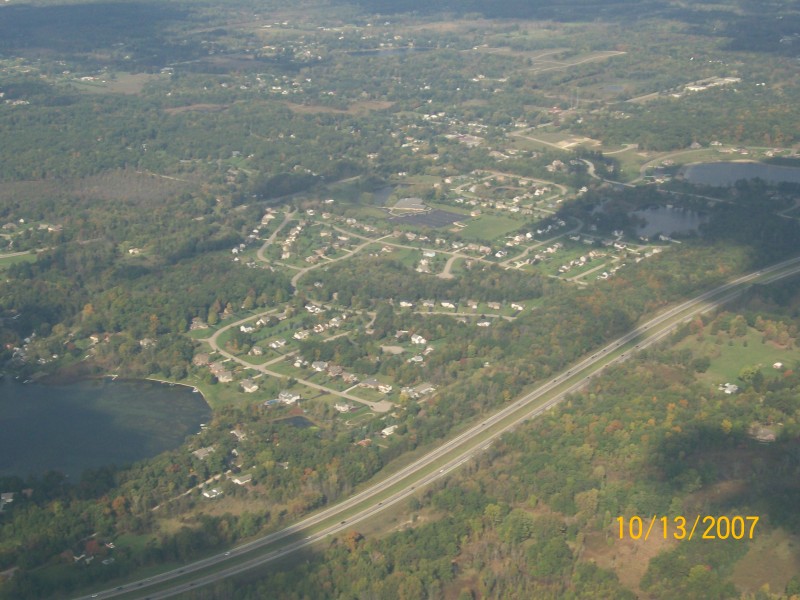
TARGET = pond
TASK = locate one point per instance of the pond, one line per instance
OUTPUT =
(296, 421)
(668, 220)
(92, 423)
(728, 173)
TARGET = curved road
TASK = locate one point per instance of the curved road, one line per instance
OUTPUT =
(440, 461)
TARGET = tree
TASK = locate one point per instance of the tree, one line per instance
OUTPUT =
(752, 376)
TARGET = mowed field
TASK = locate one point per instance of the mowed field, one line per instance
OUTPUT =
(6, 260)
(120, 83)
(489, 227)
(728, 359)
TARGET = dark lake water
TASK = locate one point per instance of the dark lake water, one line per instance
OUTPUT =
(668, 221)
(92, 423)
(728, 173)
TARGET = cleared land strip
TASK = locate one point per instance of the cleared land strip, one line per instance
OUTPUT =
(394, 487)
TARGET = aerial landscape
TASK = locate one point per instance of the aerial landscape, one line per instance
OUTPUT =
(366, 299)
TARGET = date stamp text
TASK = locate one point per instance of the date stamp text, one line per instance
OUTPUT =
(706, 527)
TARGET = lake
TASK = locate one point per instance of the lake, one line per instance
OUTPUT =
(728, 173)
(92, 423)
(668, 220)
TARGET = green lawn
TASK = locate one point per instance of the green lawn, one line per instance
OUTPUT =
(7, 261)
(286, 368)
(727, 360)
(490, 227)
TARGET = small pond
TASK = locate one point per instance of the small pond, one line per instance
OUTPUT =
(668, 220)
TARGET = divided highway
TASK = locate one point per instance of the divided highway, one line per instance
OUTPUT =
(437, 463)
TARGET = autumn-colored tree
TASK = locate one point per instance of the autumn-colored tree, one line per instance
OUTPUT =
(120, 506)
(351, 539)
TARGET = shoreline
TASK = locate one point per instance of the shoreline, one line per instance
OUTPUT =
(742, 161)
(68, 379)
(157, 380)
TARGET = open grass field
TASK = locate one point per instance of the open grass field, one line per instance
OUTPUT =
(356, 108)
(490, 227)
(772, 559)
(728, 359)
(408, 257)
(7, 261)
(120, 83)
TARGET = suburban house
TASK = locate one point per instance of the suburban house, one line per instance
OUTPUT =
(224, 376)
(6, 498)
(425, 388)
(256, 351)
(343, 407)
(418, 339)
(249, 386)
(388, 430)
(370, 383)
(242, 479)
(201, 359)
(287, 397)
(203, 453)
(198, 323)
(212, 493)
(319, 366)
